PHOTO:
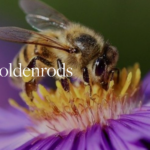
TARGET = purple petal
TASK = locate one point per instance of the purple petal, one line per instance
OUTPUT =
(128, 132)
(13, 119)
(146, 88)
(13, 132)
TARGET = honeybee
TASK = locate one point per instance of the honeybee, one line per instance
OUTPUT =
(60, 41)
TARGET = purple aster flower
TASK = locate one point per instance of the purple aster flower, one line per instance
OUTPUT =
(109, 120)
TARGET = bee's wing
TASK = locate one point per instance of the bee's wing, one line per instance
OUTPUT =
(20, 35)
(41, 16)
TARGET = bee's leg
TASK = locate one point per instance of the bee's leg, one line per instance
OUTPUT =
(87, 79)
(109, 77)
(65, 84)
(64, 80)
(104, 81)
(32, 85)
(32, 63)
(111, 74)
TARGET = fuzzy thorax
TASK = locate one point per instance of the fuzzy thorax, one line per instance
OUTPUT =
(58, 110)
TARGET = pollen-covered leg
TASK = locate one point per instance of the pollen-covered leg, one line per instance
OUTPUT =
(31, 85)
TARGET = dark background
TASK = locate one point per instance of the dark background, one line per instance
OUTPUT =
(125, 23)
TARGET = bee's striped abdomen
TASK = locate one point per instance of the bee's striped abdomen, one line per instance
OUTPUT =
(22, 59)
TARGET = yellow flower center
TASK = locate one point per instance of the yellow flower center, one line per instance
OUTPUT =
(60, 110)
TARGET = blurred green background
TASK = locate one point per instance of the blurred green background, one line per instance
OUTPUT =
(125, 23)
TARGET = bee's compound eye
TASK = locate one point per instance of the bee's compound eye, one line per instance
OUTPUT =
(99, 66)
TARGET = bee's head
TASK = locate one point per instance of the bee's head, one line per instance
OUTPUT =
(106, 61)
